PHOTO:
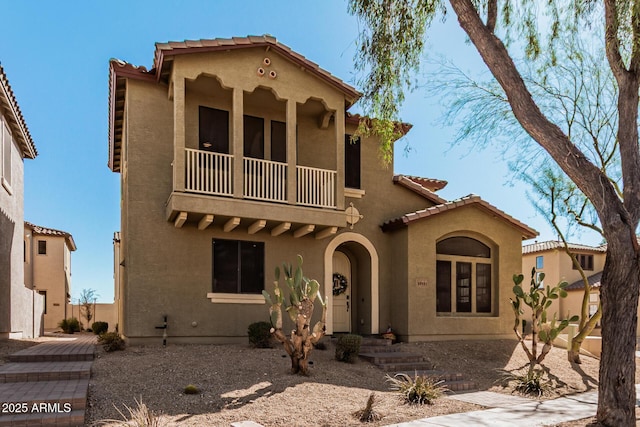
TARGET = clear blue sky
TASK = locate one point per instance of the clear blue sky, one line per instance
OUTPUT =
(56, 56)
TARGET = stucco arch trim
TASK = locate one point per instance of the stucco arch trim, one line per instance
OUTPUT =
(328, 277)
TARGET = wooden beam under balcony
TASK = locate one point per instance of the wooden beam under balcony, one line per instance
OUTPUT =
(257, 226)
(231, 224)
(282, 228)
(329, 231)
(304, 230)
(180, 220)
(205, 222)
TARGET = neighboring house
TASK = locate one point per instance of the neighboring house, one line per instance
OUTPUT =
(236, 155)
(20, 305)
(551, 259)
(47, 269)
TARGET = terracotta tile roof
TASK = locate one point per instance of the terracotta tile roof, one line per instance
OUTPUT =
(470, 200)
(417, 186)
(164, 52)
(43, 231)
(594, 282)
(14, 117)
(554, 244)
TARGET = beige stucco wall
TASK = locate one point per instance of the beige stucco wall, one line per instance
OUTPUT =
(166, 270)
(101, 312)
(20, 307)
(469, 221)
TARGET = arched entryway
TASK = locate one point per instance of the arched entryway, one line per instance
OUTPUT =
(357, 309)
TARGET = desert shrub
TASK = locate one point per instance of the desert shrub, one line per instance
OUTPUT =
(368, 414)
(99, 327)
(320, 345)
(531, 383)
(191, 389)
(417, 390)
(111, 341)
(348, 347)
(260, 334)
(140, 416)
(69, 325)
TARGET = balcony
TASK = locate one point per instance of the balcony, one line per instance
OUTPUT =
(262, 202)
(212, 173)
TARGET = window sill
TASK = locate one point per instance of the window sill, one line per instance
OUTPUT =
(219, 298)
(354, 193)
(7, 186)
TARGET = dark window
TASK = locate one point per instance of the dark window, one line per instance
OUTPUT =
(254, 137)
(238, 266)
(463, 246)
(463, 287)
(585, 261)
(279, 142)
(42, 247)
(483, 288)
(214, 130)
(443, 286)
(44, 294)
(351, 162)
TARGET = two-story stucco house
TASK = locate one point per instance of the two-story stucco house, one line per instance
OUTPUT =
(20, 305)
(235, 155)
(47, 269)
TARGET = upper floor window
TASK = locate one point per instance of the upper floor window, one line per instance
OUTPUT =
(351, 162)
(585, 261)
(254, 137)
(213, 130)
(5, 155)
(238, 266)
(279, 141)
(539, 262)
(42, 247)
(463, 276)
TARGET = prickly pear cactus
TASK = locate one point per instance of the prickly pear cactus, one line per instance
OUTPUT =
(538, 298)
(302, 294)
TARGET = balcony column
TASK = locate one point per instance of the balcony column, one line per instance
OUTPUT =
(292, 154)
(340, 132)
(237, 138)
(178, 134)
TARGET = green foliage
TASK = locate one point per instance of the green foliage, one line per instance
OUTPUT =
(368, 414)
(111, 341)
(70, 325)
(531, 383)
(417, 390)
(191, 389)
(300, 288)
(348, 348)
(260, 334)
(99, 327)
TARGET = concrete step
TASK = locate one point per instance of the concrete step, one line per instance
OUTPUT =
(375, 342)
(44, 371)
(460, 386)
(34, 357)
(392, 357)
(33, 419)
(47, 396)
(380, 349)
(434, 375)
(404, 366)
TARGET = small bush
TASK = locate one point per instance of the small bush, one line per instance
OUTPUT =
(99, 327)
(368, 414)
(191, 389)
(70, 325)
(348, 347)
(532, 383)
(260, 334)
(417, 390)
(111, 341)
(320, 345)
(140, 416)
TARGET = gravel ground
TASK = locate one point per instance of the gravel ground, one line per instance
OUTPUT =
(241, 383)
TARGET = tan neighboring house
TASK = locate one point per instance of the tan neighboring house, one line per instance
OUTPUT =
(47, 269)
(21, 306)
(236, 155)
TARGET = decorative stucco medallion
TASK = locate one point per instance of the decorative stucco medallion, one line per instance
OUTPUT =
(353, 215)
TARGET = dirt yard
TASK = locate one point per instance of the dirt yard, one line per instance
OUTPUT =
(240, 383)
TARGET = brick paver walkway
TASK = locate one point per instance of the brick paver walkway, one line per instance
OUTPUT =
(47, 384)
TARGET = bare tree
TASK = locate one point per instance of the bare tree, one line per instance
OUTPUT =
(391, 44)
(87, 302)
